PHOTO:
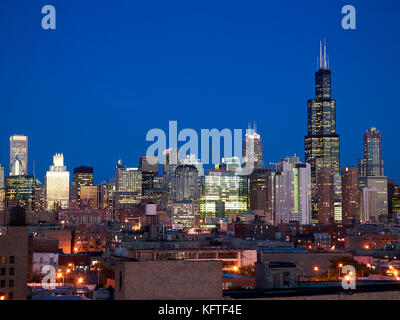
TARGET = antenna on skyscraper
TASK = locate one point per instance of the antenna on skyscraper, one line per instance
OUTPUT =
(320, 54)
(34, 168)
(255, 130)
(324, 53)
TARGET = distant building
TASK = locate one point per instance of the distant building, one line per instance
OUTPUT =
(83, 176)
(368, 204)
(222, 193)
(372, 163)
(184, 213)
(321, 142)
(128, 187)
(252, 141)
(57, 184)
(261, 186)
(326, 195)
(149, 163)
(1, 176)
(191, 159)
(89, 197)
(380, 185)
(18, 155)
(292, 191)
(338, 211)
(20, 191)
(39, 199)
(350, 195)
(170, 158)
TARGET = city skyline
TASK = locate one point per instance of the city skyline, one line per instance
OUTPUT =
(224, 70)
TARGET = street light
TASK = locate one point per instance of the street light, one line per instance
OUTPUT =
(60, 275)
(2, 298)
(316, 268)
(80, 280)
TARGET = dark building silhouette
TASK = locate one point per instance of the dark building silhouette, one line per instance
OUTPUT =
(83, 176)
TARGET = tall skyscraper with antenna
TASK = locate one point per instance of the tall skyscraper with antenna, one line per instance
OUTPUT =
(321, 141)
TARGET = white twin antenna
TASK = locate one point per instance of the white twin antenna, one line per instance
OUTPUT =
(323, 60)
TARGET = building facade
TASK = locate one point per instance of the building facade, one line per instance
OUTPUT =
(57, 184)
(18, 155)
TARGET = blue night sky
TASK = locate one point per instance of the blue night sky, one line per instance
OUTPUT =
(112, 70)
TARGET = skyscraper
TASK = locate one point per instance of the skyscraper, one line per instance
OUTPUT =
(368, 204)
(39, 199)
(321, 141)
(372, 163)
(57, 184)
(20, 191)
(292, 191)
(18, 155)
(350, 195)
(128, 187)
(222, 193)
(261, 191)
(1, 176)
(371, 172)
(149, 163)
(326, 195)
(83, 176)
(256, 153)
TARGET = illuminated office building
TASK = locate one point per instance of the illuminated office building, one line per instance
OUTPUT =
(39, 199)
(380, 185)
(372, 163)
(57, 184)
(350, 195)
(128, 187)
(184, 213)
(18, 155)
(253, 142)
(83, 176)
(20, 191)
(1, 176)
(337, 178)
(326, 195)
(222, 193)
(322, 141)
(89, 197)
(292, 192)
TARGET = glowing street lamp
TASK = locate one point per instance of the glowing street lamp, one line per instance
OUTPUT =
(2, 298)
(316, 268)
(235, 268)
(80, 280)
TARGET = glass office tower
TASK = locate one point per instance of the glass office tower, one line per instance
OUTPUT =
(20, 191)
(222, 193)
